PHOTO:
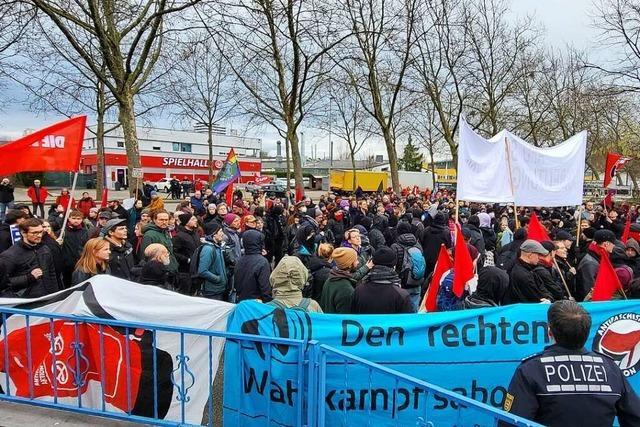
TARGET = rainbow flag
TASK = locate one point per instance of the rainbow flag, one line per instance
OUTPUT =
(229, 172)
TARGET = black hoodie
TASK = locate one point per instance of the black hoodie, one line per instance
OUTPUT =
(251, 276)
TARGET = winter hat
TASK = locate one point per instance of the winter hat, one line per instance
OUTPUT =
(344, 204)
(633, 244)
(366, 222)
(184, 219)
(439, 219)
(625, 275)
(384, 255)
(363, 231)
(403, 228)
(485, 219)
(111, 225)
(153, 193)
(229, 218)
(211, 228)
(548, 245)
(344, 257)
(602, 236)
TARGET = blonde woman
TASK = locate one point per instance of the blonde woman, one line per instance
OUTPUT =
(94, 260)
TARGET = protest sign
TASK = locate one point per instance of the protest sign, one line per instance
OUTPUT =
(472, 352)
(549, 176)
(116, 363)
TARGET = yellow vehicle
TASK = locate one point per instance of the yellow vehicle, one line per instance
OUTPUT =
(342, 180)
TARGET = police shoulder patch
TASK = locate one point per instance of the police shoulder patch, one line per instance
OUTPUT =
(508, 401)
(533, 356)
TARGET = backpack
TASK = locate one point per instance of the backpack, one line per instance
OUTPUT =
(196, 280)
(302, 306)
(413, 269)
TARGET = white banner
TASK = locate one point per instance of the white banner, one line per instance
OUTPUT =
(107, 351)
(552, 176)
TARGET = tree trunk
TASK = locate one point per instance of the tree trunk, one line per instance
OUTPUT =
(127, 119)
(292, 136)
(433, 167)
(210, 144)
(100, 154)
(393, 159)
(353, 168)
(287, 150)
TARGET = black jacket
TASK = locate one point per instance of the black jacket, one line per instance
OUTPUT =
(16, 264)
(56, 252)
(5, 237)
(154, 273)
(319, 270)
(121, 261)
(586, 274)
(6, 193)
(509, 253)
(380, 293)
(80, 276)
(72, 245)
(185, 243)
(476, 239)
(251, 276)
(376, 234)
(337, 228)
(433, 237)
(524, 287)
(544, 276)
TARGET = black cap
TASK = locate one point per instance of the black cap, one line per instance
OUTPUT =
(384, 255)
(212, 227)
(602, 236)
(563, 235)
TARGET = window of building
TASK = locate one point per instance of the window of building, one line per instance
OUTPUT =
(120, 144)
(176, 146)
(156, 148)
(185, 148)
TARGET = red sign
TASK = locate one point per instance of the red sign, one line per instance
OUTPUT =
(262, 180)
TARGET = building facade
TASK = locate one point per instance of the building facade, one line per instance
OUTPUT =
(168, 153)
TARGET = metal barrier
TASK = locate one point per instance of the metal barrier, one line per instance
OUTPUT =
(117, 369)
(385, 388)
(113, 368)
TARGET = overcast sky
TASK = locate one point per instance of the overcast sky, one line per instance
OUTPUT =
(567, 22)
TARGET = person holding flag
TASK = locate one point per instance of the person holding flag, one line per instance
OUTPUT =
(524, 287)
(602, 246)
(229, 173)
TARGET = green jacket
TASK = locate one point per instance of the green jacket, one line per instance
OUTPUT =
(337, 292)
(154, 234)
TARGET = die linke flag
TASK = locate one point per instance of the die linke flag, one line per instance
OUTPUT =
(614, 163)
(54, 148)
(229, 172)
(536, 231)
(462, 264)
(443, 265)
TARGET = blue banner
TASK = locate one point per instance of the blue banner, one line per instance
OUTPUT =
(472, 352)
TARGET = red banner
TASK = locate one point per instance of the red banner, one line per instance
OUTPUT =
(262, 179)
(54, 148)
(614, 163)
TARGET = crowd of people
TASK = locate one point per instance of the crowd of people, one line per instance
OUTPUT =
(363, 253)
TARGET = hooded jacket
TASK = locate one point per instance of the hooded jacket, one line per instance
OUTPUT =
(185, 243)
(509, 253)
(586, 274)
(251, 277)
(433, 237)
(376, 234)
(72, 245)
(154, 234)
(287, 281)
(493, 284)
(337, 292)
(216, 261)
(380, 293)
(319, 271)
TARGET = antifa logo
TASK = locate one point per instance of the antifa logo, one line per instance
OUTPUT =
(618, 164)
(619, 338)
(277, 324)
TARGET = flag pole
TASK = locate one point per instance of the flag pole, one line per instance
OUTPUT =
(513, 192)
(68, 211)
(579, 228)
(555, 263)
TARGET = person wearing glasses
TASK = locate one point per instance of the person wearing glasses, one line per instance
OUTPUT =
(27, 269)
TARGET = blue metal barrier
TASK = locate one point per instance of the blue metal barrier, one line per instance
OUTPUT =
(80, 350)
(329, 358)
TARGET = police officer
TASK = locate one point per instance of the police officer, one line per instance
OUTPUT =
(566, 385)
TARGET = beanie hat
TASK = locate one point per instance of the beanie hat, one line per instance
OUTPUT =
(211, 228)
(403, 228)
(229, 218)
(184, 219)
(366, 222)
(344, 257)
(344, 204)
(625, 275)
(384, 255)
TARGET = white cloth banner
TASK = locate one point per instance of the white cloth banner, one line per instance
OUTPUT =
(104, 371)
(552, 176)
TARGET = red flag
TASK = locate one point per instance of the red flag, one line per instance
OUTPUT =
(229, 195)
(105, 195)
(443, 265)
(627, 229)
(299, 193)
(536, 230)
(614, 163)
(54, 148)
(607, 281)
(462, 264)
(608, 200)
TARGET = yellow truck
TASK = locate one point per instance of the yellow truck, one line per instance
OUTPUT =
(342, 180)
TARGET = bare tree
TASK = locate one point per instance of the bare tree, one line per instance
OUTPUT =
(201, 86)
(377, 61)
(128, 40)
(277, 51)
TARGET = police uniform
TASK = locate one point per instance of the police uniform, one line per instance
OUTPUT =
(562, 387)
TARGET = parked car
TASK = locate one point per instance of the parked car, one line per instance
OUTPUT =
(274, 190)
(164, 184)
(251, 187)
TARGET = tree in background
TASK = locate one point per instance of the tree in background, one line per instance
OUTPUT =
(411, 157)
